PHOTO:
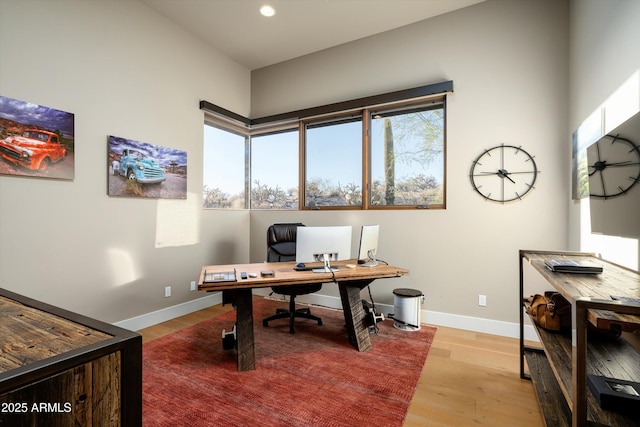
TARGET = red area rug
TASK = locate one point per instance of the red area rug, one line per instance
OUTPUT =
(310, 378)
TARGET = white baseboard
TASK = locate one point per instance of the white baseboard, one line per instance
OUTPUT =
(159, 316)
(475, 324)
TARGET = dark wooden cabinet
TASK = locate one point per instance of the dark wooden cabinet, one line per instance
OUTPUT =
(600, 341)
(58, 368)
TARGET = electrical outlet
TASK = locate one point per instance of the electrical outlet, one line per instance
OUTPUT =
(167, 291)
(193, 285)
(482, 300)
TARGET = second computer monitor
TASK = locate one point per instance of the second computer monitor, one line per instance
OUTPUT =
(369, 245)
(324, 244)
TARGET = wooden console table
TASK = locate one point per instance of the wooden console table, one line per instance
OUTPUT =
(559, 368)
(59, 369)
(350, 281)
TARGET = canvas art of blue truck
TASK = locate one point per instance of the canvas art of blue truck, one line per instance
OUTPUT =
(135, 166)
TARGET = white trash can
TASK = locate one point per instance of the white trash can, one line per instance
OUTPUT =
(406, 308)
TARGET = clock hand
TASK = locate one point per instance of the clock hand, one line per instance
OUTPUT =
(504, 174)
(601, 165)
(501, 173)
(626, 163)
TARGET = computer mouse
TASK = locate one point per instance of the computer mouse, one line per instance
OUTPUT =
(300, 265)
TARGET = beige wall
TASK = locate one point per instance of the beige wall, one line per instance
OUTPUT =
(509, 64)
(126, 70)
(123, 70)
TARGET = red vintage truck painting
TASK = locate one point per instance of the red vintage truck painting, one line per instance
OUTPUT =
(36, 149)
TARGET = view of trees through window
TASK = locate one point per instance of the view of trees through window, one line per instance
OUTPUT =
(404, 156)
(334, 163)
(407, 158)
(274, 170)
(223, 172)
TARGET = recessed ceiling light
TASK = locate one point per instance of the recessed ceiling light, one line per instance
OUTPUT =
(267, 10)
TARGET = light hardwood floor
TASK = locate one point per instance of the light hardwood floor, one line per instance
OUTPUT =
(469, 378)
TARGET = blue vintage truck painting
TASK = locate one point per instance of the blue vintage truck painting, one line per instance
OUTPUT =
(136, 166)
(140, 169)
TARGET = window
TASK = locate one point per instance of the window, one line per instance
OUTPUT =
(333, 163)
(224, 169)
(380, 152)
(274, 170)
(407, 157)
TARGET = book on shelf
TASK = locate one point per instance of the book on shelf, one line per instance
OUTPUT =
(614, 394)
(572, 266)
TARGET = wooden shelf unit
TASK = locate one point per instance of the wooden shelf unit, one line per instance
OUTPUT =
(59, 368)
(559, 368)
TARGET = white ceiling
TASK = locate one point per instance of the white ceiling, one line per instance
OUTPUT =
(299, 27)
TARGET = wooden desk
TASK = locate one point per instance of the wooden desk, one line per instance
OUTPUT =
(350, 282)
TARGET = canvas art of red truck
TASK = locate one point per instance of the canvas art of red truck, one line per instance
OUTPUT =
(35, 149)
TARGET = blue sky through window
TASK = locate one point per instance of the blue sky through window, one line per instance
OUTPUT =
(223, 155)
(406, 165)
(334, 156)
(274, 160)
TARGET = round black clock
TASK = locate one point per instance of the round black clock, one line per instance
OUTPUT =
(614, 166)
(503, 173)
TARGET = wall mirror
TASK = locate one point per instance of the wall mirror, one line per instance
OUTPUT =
(614, 181)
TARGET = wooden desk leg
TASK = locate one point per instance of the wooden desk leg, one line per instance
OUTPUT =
(354, 315)
(244, 330)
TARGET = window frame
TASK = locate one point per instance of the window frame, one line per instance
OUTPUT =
(230, 128)
(408, 99)
(406, 107)
(249, 161)
(328, 120)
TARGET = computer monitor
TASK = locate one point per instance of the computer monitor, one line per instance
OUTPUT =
(323, 244)
(369, 245)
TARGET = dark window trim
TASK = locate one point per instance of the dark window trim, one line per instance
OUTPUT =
(215, 109)
(416, 92)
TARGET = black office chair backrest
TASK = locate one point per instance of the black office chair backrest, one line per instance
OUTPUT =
(281, 241)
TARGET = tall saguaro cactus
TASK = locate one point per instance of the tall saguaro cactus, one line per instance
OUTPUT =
(389, 164)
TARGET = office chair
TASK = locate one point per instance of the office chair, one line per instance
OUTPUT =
(281, 247)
